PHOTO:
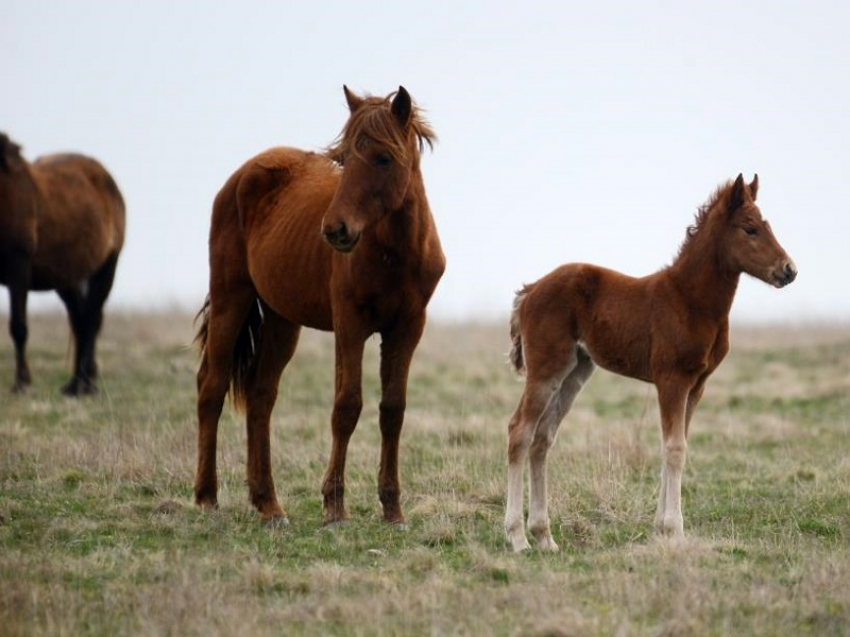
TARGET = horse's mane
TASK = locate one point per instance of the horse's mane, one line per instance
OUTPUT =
(374, 120)
(701, 218)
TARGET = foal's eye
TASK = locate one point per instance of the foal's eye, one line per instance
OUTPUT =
(382, 159)
(751, 231)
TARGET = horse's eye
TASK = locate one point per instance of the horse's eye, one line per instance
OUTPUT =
(382, 159)
(750, 230)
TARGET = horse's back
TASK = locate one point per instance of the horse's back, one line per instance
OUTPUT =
(267, 218)
(81, 221)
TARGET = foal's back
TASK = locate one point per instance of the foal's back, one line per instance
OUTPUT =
(608, 314)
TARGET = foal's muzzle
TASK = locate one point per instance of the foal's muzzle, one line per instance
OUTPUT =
(786, 274)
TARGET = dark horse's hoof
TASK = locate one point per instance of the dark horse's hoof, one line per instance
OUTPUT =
(79, 387)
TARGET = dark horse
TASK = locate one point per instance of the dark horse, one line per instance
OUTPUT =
(340, 241)
(61, 228)
(670, 328)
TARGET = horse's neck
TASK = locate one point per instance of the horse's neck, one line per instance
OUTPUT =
(707, 287)
(411, 227)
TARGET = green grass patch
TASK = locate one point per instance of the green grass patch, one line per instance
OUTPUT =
(99, 534)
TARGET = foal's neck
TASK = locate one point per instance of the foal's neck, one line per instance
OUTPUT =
(703, 279)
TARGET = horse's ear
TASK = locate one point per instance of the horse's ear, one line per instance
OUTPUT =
(353, 101)
(754, 187)
(402, 107)
(9, 152)
(740, 193)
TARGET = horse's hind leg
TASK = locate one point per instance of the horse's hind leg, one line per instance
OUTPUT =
(85, 313)
(278, 339)
(544, 436)
(223, 324)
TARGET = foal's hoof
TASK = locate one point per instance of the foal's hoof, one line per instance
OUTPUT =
(276, 523)
(330, 525)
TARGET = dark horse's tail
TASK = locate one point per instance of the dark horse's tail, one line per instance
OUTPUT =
(244, 353)
(515, 355)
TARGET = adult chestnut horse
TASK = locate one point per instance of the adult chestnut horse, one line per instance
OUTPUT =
(61, 228)
(340, 241)
(670, 328)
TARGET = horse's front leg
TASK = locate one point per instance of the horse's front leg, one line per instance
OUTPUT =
(348, 402)
(397, 347)
(672, 400)
(19, 281)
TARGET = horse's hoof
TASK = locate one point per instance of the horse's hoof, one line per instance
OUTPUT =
(76, 388)
(207, 505)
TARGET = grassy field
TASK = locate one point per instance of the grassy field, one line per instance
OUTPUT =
(99, 535)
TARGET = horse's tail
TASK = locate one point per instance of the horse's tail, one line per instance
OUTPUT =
(516, 355)
(244, 352)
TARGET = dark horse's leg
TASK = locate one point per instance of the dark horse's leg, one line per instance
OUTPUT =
(85, 314)
(397, 347)
(348, 402)
(278, 338)
(18, 275)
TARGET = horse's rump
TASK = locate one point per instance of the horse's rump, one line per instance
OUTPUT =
(81, 220)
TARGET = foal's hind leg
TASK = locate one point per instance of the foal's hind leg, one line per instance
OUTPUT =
(536, 408)
(277, 345)
(538, 511)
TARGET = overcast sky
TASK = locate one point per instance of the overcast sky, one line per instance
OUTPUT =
(568, 131)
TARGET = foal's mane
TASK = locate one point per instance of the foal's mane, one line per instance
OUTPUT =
(374, 119)
(719, 198)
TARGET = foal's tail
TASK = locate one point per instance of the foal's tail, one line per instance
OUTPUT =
(244, 352)
(515, 355)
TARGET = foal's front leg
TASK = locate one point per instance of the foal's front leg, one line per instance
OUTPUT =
(397, 347)
(672, 399)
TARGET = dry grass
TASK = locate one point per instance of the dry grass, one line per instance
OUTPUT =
(98, 533)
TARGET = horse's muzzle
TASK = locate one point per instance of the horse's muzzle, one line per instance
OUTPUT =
(340, 238)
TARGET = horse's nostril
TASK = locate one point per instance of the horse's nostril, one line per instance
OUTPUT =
(338, 234)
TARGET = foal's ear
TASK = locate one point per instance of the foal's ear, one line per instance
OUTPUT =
(402, 107)
(354, 102)
(754, 187)
(740, 193)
